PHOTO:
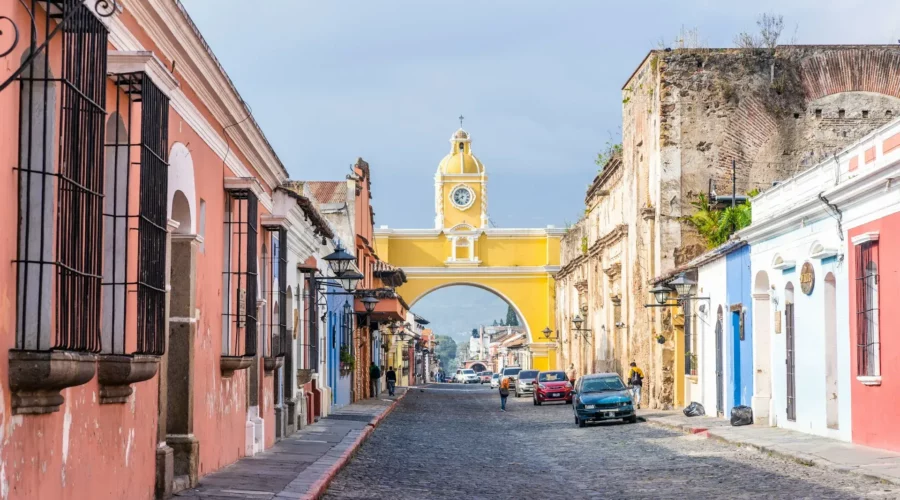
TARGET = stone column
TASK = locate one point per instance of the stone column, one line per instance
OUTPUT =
(180, 365)
(165, 457)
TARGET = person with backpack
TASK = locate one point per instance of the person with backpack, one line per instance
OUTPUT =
(636, 382)
(391, 377)
(374, 375)
(504, 392)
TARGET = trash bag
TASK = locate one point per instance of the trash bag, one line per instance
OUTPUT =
(741, 415)
(694, 409)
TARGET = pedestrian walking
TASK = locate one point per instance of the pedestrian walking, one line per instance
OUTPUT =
(571, 373)
(636, 382)
(391, 377)
(504, 392)
(374, 375)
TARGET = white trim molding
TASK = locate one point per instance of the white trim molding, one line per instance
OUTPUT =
(818, 251)
(144, 61)
(869, 380)
(529, 270)
(778, 262)
(859, 239)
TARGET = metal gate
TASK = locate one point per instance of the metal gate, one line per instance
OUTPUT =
(720, 386)
(789, 361)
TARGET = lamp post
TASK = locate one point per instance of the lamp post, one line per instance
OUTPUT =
(339, 261)
(684, 289)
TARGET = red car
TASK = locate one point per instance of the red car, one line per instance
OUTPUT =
(486, 377)
(551, 386)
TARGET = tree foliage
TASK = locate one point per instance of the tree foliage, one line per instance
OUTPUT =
(717, 225)
(446, 349)
(769, 28)
(511, 318)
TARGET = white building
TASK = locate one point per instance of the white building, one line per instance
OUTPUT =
(800, 251)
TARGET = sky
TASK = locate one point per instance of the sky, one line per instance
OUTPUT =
(539, 84)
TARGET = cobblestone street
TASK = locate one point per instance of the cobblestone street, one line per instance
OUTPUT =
(450, 441)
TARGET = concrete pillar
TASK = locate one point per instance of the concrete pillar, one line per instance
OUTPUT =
(165, 456)
(180, 364)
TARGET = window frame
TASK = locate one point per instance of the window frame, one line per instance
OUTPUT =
(868, 313)
(70, 218)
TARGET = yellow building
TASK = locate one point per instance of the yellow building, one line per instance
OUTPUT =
(461, 249)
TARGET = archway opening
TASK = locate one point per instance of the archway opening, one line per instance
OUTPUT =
(475, 326)
(181, 213)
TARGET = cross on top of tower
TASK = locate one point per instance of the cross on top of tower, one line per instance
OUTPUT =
(461, 118)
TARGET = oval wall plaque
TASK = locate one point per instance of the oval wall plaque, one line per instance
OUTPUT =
(807, 278)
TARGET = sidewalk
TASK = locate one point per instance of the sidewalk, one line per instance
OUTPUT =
(803, 448)
(302, 465)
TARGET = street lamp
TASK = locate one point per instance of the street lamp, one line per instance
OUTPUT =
(547, 332)
(661, 293)
(350, 279)
(577, 321)
(683, 285)
(369, 303)
(339, 261)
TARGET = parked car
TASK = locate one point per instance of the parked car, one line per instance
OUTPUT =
(513, 373)
(486, 376)
(602, 396)
(551, 386)
(495, 381)
(523, 384)
(467, 376)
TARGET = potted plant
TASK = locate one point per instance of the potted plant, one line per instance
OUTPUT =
(348, 362)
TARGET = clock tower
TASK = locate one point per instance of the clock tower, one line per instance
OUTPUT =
(460, 188)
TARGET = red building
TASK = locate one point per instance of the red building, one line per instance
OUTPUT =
(873, 262)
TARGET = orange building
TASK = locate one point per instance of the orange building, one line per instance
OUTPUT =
(150, 310)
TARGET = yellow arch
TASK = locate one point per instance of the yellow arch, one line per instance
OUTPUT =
(516, 265)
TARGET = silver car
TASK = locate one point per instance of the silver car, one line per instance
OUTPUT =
(495, 381)
(524, 385)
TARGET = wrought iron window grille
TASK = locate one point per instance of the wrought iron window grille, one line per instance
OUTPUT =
(277, 342)
(241, 277)
(64, 13)
(867, 311)
(61, 199)
(123, 282)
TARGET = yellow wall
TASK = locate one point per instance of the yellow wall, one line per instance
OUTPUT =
(512, 251)
(493, 251)
(419, 252)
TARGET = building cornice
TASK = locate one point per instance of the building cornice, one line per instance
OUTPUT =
(121, 62)
(846, 195)
(551, 232)
(509, 270)
(171, 29)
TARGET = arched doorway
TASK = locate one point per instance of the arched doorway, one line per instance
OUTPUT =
(762, 338)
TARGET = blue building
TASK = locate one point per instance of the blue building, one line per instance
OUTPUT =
(339, 328)
(739, 320)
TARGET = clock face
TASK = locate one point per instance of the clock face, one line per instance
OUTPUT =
(462, 197)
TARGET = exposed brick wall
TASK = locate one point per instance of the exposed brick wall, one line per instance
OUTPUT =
(830, 70)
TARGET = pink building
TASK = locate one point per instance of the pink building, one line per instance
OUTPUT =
(145, 307)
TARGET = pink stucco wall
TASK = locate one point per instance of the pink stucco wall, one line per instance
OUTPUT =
(89, 450)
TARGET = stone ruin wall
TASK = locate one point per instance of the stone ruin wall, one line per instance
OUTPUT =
(688, 113)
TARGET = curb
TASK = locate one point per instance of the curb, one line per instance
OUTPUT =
(800, 458)
(318, 488)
